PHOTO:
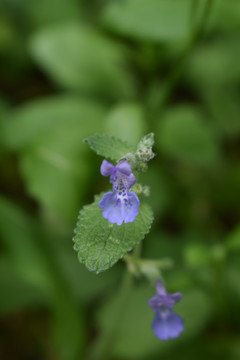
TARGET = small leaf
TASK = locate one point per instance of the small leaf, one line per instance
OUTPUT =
(109, 146)
(100, 244)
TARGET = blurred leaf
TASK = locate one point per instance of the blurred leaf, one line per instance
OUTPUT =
(84, 285)
(214, 63)
(225, 15)
(157, 20)
(37, 119)
(19, 238)
(100, 244)
(3, 115)
(224, 107)
(16, 293)
(135, 338)
(109, 146)
(36, 267)
(197, 254)
(80, 58)
(233, 239)
(68, 326)
(160, 187)
(44, 12)
(126, 121)
(53, 159)
(185, 135)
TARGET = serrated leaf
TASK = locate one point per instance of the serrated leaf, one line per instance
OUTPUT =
(100, 244)
(109, 146)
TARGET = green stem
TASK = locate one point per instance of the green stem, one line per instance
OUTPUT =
(103, 347)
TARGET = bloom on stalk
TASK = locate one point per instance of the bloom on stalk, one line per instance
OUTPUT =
(166, 324)
(121, 204)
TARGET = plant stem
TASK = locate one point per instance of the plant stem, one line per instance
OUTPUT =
(103, 347)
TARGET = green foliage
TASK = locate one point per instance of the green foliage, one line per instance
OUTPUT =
(157, 20)
(34, 272)
(109, 146)
(16, 292)
(53, 159)
(185, 135)
(100, 244)
(197, 254)
(126, 121)
(79, 58)
(25, 252)
(125, 68)
(233, 240)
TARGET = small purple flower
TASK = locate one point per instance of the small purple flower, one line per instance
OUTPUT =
(166, 324)
(120, 205)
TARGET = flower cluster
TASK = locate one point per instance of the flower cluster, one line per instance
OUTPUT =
(121, 204)
(166, 324)
(144, 150)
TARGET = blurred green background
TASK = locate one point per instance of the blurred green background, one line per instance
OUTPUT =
(71, 68)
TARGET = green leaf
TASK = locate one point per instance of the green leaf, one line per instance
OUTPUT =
(126, 121)
(80, 58)
(185, 135)
(100, 244)
(109, 146)
(157, 20)
(53, 160)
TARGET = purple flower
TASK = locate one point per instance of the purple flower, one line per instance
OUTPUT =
(120, 205)
(166, 324)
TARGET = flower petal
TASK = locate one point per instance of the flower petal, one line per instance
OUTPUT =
(160, 288)
(167, 325)
(156, 302)
(117, 210)
(131, 180)
(130, 207)
(175, 297)
(111, 208)
(124, 167)
(107, 168)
